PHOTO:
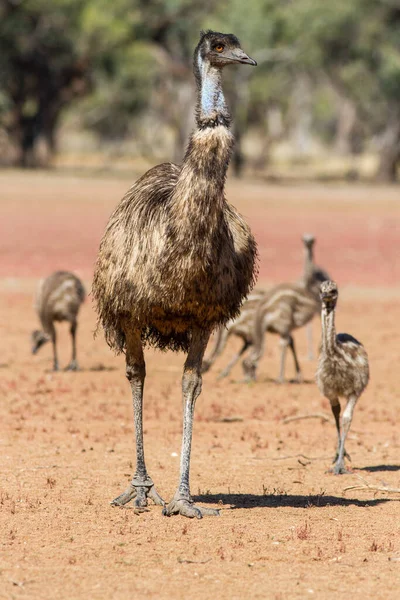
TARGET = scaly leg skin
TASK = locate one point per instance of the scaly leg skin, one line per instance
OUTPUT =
(141, 488)
(182, 502)
(339, 466)
(139, 491)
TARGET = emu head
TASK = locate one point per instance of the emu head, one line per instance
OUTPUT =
(38, 339)
(308, 240)
(329, 295)
(220, 49)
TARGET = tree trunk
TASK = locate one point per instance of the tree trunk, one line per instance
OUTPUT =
(390, 149)
(346, 121)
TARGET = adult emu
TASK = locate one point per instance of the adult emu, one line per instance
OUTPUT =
(175, 261)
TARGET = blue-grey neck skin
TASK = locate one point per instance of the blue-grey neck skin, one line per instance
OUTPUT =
(211, 106)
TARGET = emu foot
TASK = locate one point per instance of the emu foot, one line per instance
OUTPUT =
(340, 469)
(73, 366)
(185, 506)
(249, 370)
(139, 491)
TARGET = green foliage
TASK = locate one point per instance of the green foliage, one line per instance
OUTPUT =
(130, 57)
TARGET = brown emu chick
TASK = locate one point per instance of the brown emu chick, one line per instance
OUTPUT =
(312, 278)
(243, 325)
(59, 298)
(176, 260)
(343, 370)
(282, 310)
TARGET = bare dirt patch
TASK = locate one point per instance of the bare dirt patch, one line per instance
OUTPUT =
(287, 528)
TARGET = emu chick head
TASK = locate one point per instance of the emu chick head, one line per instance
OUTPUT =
(39, 338)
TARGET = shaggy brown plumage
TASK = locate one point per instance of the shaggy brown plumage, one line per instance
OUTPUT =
(343, 370)
(59, 298)
(175, 254)
(176, 260)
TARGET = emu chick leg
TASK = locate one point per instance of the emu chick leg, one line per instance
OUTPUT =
(182, 502)
(347, 417)
(141, 486)
(284, 343)
(54, 343)
(73, 365)
(299, 376)
(233, 361)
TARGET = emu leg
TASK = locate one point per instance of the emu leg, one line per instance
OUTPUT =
(73, 365)
(347, 417)
(54, 342)
(141, 486)
(299, 377)
(310, 342)
(233, 361)
(182, 502)
(284, 343)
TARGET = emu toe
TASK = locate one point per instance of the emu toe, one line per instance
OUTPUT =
(187, 508)
(140, 494)
(340, 469)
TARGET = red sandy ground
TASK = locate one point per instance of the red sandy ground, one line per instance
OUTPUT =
(287, 528)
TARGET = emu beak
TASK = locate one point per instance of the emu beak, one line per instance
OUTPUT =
(237, 55)
(34, 349)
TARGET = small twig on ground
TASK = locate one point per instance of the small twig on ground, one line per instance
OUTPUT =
(193, 562)
(229, 420)
(374, 488)
(310, 416)
(301, 456)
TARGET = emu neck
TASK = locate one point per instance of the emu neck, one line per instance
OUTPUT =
(308, 264)
(328, 331)
(198, 197)
(211, 106)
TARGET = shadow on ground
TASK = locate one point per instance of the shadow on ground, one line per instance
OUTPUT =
(285, 500)
(377, 468)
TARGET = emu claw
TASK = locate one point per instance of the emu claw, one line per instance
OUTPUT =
(140, 494)
(187, 508)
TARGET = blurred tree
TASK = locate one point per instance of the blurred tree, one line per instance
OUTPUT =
(327, 71)
(357, 46)
(43, 67)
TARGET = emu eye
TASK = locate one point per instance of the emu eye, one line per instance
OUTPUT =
(219, 48)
